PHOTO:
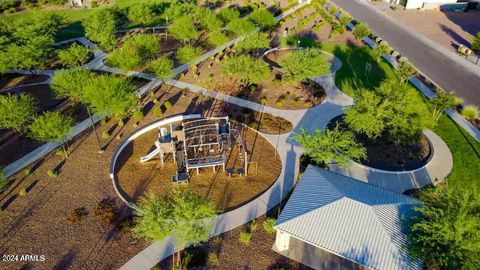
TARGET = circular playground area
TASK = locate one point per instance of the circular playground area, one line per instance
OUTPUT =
(222, 160)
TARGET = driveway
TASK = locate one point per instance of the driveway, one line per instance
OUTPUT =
(445, 68)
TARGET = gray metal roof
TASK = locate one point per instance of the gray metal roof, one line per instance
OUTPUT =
(351, 218)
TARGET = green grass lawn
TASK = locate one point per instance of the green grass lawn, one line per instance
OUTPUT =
(351, 79)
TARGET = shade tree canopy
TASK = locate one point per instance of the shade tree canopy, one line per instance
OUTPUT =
(299, 65)
(16, 111)
(100, 27)
(263, 18)
(240, 27)
(142, 13)
(135, 50)
(216, 38)
(228, 14)
(52, 127)
(445, 233)
(245, 69)
(183, 29)
(254, 41)
(74, 56)
(161, 67)
(71, 83)
(187, 53)
(329, 146)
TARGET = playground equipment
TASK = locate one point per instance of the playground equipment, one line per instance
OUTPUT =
(198, 143)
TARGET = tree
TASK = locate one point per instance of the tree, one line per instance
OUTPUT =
(182, 213)
(31, 55)
(217, 38)
(263, 18)
(240, 27)
(135, 50)
(142, 13)
(187, 53)
(445, 233)
(476, 43)
(252, 42)
(52, 127)
(390, 109)
(16, 111)
(441, 102)
(70, 84)
(361, 31)
(330, 146)
(110, 95)
(228, 14)
(209, 21)
(344, 20)
(161, 67)
(382, 49)
(404, 71)
(302, 64)
(183, 29)
(245, 69)
(76, 55)
(100, 27)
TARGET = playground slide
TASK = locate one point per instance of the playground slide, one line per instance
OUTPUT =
(149, 156)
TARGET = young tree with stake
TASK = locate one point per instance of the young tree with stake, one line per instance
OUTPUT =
(52, 127)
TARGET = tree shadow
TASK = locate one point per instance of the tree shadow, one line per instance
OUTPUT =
(66, 261)
(455, 36)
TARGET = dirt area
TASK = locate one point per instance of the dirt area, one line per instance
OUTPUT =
(232, 254)
(446, 28)
(271, 92)
(136, 179)
(385, 155)
(14, 79)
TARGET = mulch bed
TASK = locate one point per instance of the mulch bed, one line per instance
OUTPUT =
(10, 80)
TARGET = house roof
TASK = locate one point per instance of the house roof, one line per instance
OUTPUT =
(350, 218)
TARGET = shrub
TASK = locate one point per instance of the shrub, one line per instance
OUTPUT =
(78, 215)
(76, 55)
(470, 112)
(360, 31)
(138, 115)
(52, 173)
(158, 111)
(167, 105)
(187, 53)
(245, 237)
(213, 258)
(476, 43)
(105, 134)
(22, 192)
(26, 171)
(252, 226)
(280, 101)
(458, 101)
(268, 224)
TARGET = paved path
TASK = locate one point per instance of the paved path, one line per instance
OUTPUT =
(442, 66)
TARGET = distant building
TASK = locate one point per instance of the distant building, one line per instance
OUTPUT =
(335, 222)
(431, 4)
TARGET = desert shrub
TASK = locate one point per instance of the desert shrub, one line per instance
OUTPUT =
(26, 171)
(470, 112)
(187, 53)
(78, 215)
(252, 225)
(158, 111)
(106, 211)
(245, 237)
(268, 224)
(22, 192)
(138, 115)
(167, 105)
(105, 134)
(213, 258)
(52, 173)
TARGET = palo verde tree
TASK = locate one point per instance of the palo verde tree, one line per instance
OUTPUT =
(254, 41)
(52, 127)
(187, 53)
(390, 109)
(141, 13)
(16, 111)
(74, 56)
(404, 71)
(182, 213)
(382, 49)
(135, 50)
(441, 102)
(240, 27)
(100, 27)
(245, 69)
(302, 64)
(329, 146)
(161, 67)
(446, 232)
(263, 18)
(183, 29)
(361, 31)
(111, 96)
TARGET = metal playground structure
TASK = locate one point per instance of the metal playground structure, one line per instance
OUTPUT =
(198, 143)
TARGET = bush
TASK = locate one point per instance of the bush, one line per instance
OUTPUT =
(78, 215)
(476, 43)
(252, 226)
(158, 111)
(138, 115)
(52, 173)
(167, 105)
(22, 192)
(105, 210)
(268, 224)
(470, 112)
(26, 171)
(187, 53)
(213, 258)
(360, 31)
(245, 237)
(105, 134)
(75, 55)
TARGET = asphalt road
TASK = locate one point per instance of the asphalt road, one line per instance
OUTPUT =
(446, 69)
